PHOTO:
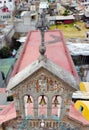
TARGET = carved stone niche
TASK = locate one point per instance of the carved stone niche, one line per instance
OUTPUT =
(40, 83)
(43, 82)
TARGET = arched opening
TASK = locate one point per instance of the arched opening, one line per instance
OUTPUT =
(28, 103)
(81, 108)
(42, 106)
(56, 105)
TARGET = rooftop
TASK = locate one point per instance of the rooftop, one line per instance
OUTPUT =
(56, 51)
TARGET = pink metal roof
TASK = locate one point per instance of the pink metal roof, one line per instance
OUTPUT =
(75, 114)
(56, 51)
(2, 90)
(7, 113)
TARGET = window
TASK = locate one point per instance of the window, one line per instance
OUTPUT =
(42, 106)
(4, 1)
(10, 0)
(81, 108)
(56, 104)
(0, 1)
(28, 103)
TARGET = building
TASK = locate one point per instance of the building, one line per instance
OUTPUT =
(26, 21)
(80, 56)
(61, 19)
(9, 3)
(42, 85)
(6, 33)
(86, 11)
(5, 14)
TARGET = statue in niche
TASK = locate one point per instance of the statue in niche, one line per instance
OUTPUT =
(41, 83)
(45, 84)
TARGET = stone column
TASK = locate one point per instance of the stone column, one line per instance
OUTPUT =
(62, 109)
(35, 107)
(17, 107)
(68, 103)
(21, 102)
(49, 107)
(22, 107)
(17, 103)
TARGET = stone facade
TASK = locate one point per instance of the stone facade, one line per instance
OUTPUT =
(42, 84)
(39, 80)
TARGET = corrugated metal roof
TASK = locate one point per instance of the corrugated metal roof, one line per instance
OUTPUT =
(78, 49)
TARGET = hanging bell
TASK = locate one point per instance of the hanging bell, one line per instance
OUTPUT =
(56, 101)
(29, 99)
(42, 102)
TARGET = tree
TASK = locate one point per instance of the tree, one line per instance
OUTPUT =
(10, 98)
(15, 44)
(5, 52)
(66, 12)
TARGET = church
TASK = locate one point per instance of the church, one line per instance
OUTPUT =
(42, 83)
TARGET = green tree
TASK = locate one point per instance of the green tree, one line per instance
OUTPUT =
(15, 44)
(5, 52)
(10, 98)
(66, 12)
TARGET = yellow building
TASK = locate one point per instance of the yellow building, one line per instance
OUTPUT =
(82, 99)
(83, 107)
(84, 86)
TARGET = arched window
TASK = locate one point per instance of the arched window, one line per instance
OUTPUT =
(56, 105)
(28, 103)
(81, 108)
(42, 106)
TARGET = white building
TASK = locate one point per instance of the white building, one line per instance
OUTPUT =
(5, 14)
(9, 3)
(86, 11)
(6, 34)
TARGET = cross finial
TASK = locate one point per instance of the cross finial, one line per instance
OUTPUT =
(42, 25)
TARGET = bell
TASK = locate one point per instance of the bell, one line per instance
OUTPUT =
(29, 99)
(56, 101)
(42, 102)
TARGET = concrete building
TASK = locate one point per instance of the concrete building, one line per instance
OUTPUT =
(6, 33)
(9, 3)
(5, 13)
(86, 11)
(26, 22)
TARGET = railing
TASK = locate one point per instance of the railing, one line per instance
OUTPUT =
(47, 123)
